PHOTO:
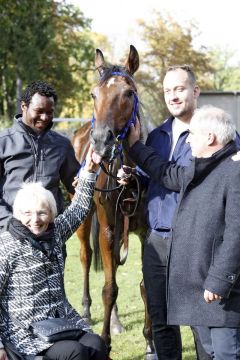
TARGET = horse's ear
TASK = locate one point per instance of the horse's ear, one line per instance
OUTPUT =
(99, 61)
(132, 63)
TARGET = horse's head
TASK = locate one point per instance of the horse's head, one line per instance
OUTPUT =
(115, 104)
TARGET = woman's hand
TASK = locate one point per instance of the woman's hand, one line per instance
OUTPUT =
(3, 355)
(75, 181)
(92, 160)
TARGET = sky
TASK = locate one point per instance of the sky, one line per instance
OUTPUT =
(218, 21)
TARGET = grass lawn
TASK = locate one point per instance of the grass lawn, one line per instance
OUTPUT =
(129, 345)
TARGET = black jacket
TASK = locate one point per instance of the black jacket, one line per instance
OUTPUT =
(25, 157)
(205, 252)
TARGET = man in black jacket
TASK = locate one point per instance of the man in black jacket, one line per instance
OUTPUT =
(31, 151)
(203, 269)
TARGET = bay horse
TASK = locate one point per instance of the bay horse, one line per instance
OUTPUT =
(116, 106)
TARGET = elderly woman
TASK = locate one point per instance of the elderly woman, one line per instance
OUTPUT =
(31, 272)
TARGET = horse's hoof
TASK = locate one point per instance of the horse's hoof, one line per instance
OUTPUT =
(87, 320)
(115, 324)
(117, 330)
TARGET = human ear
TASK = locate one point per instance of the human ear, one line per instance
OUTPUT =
(211, 138)
(23, 106)
(196, 91)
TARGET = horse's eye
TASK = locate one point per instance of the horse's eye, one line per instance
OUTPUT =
(93, 96)
(129, 93)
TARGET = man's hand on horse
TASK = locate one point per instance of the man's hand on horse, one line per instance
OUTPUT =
(92, 160)
(124, 174)
(134, 134)
(210, 297)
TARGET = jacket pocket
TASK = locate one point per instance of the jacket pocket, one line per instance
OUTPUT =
(217, 242)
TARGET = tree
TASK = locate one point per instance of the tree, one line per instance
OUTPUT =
(99, 41)
(226, 76)
(168, 43)
(47, 40)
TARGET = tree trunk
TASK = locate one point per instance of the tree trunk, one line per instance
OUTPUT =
(18, 95)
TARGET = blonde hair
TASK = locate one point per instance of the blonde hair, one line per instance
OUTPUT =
(36, 193)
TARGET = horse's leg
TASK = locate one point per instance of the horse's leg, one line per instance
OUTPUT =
(147, 330)
(110, 288)
(83, 234)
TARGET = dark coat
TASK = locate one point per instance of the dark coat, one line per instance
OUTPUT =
(205, 252)
(26, 157)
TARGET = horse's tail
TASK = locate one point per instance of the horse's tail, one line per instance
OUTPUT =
(97, 260)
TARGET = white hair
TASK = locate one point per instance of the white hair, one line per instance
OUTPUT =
(217, 121)
(34, 193)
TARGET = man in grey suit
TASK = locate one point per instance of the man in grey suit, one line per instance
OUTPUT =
(204, 263)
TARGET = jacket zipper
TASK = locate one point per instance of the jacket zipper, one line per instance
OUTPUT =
(35, 156)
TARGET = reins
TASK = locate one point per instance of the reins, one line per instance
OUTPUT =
(110, 174)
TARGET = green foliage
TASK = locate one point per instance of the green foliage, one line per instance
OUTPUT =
(129, 345)
(48, 40)
(226, 76)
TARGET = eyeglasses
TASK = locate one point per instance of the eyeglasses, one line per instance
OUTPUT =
(42, 213)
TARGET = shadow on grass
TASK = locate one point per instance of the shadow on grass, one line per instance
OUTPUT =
(126, 314)
(123, 318)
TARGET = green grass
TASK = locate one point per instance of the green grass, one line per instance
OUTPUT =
(129, 345)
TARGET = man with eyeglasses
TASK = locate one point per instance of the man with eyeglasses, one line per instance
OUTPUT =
(31, 151)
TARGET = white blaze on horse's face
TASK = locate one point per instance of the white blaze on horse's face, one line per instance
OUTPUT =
(111, 82)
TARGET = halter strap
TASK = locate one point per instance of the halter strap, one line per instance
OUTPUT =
(132, 119)
(119, 73)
